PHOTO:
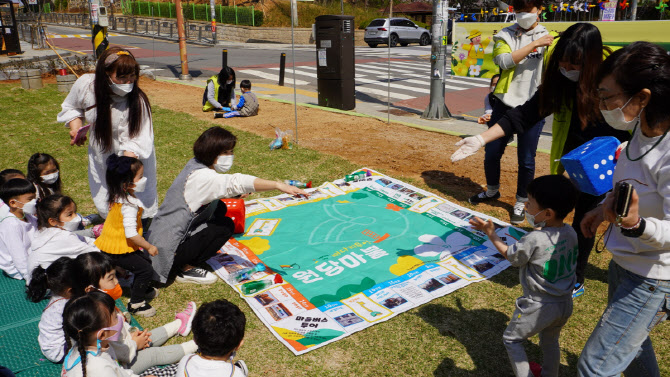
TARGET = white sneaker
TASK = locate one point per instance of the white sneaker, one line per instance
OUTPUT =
(196, 275)
(518, 214)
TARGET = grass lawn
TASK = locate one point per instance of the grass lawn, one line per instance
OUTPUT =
(455, 335)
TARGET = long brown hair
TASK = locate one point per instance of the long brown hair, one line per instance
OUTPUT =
(582, 45)
(116, 59)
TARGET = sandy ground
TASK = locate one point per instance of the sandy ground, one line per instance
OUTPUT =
(394, 149)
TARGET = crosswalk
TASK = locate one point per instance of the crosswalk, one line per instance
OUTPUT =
(409, 78)
(52, 36)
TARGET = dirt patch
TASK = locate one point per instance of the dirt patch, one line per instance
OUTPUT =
(394, 149)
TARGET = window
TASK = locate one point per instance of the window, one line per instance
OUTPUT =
(377, 22)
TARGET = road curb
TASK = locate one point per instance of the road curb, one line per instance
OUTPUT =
(34, 59)
(353, 113)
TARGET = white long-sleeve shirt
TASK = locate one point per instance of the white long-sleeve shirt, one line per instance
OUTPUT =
(52, 337)
(15, 239)
(50, 244)
(80, 103)
(648, 255)
(102, 365)
(206, 185)
(198, 366)
(129, 209)
(212, 100)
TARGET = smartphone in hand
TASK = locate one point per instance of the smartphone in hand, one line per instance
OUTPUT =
(623, 192)
(81, 133)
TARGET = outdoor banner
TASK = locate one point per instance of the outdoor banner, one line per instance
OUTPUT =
(472, 54)
(609, 13)
(354, 254)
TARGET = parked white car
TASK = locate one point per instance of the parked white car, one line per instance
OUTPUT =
(403, 32)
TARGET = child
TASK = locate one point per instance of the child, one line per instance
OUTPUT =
(96, 272)
(43, 172)
(121, 237)
(218, 330)
(5, 176)
(519, 51)
(489, 100)
(246, 107)
(18, 228)
(547, 259)
(59, 278)
(91, 322)
(56, 219)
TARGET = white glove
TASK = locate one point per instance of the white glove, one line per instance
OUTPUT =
(468, 147)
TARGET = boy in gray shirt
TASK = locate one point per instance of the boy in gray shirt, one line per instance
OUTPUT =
(547, 259)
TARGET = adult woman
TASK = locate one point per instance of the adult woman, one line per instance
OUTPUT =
(191, 226)
(121, 125)
(568, 92)
(220, 91)
(634, 89)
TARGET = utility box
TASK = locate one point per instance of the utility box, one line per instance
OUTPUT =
(9, 31)
(335, 61)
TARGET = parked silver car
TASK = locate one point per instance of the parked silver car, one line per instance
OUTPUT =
(403, 32)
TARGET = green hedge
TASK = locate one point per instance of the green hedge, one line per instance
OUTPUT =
(201, 12)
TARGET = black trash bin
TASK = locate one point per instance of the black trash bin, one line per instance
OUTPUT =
(335, 61)
(9, 32)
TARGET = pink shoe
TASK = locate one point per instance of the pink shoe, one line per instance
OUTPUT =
(535, 369)
(186, 318)
(97, 230)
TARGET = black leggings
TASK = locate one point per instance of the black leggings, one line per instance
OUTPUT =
(140, 265)
(585, 203)
(198, 248)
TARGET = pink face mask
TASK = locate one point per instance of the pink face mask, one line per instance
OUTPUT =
(117, 328)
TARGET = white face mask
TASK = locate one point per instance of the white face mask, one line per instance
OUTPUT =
(229, 82)
(73, 224)
(30, 207)
(223, 163)
(50, 179)
(526, 20)
(617, 119)
(122, 90)
(531, 220)
(140, 185)
(570, 75)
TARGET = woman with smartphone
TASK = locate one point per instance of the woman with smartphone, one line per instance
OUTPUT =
(119, 114)
(634, 87)
(568, 92)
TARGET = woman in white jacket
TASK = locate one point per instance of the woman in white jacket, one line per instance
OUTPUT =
(120, 117)
(56, 219)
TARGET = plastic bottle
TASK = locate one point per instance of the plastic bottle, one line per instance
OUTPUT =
(258, 285)
(298, 184)
(245, 273)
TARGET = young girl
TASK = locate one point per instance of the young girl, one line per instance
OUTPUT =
(5, 176)
(43, 172)
(92, 322)
(96, 272)
(56, 219)
(18, 228)
(121, 237)
(59, 278)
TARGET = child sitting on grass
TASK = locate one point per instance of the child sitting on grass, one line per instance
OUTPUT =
(218, 330)
(547, 259)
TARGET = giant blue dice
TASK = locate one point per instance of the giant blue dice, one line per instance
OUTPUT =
(591, 165)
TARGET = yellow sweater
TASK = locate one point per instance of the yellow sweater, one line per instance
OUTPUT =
(113, 239)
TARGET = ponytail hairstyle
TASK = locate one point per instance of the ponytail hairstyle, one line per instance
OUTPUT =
(642, 65)
(122, 62)
(51, 207)
(581, 44)
(226, 90)
(83, 316)
(58, 277)
(36, 164)
(120, 173)
(8, 174)
(91, 268)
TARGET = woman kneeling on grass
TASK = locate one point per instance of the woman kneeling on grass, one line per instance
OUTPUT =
(191, 225)
(634, 89)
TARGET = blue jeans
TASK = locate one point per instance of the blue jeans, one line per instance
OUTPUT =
(620, 342)
(526, 149)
